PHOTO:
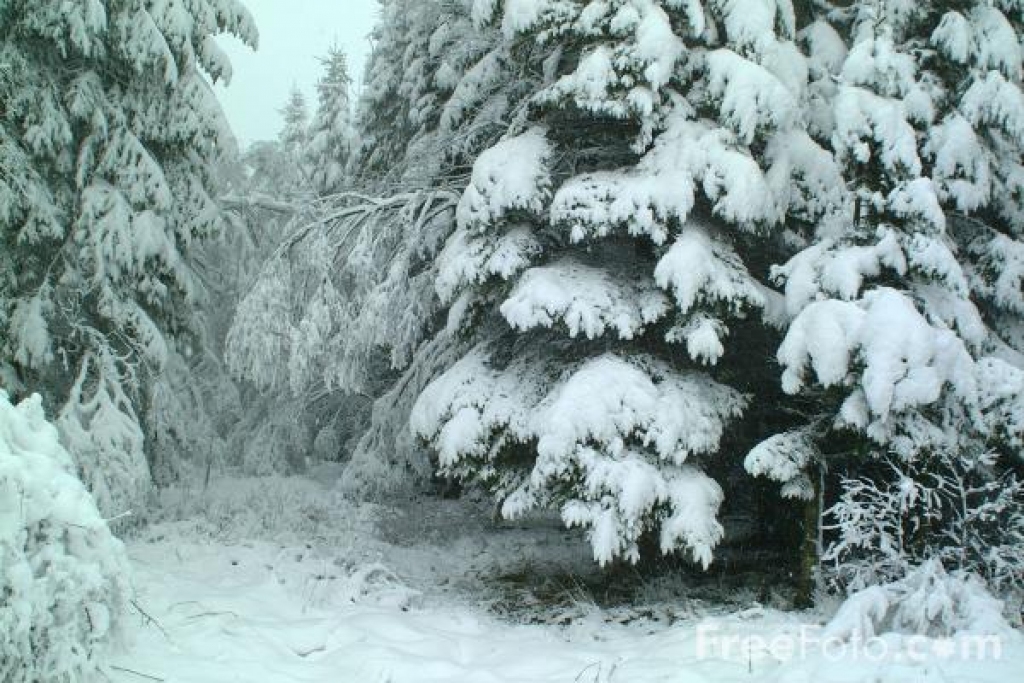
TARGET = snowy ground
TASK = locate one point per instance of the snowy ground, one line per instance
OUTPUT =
(283, 581)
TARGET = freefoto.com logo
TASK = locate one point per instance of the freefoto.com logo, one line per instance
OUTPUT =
(714, 642)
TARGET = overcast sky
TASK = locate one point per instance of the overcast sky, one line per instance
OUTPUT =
(293, 34)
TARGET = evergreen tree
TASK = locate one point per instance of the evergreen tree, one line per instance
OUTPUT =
(330, 136)
(108, 132)
(294, 139)
(437, 89)
(295, 116)
(608, 258)
(904, 301)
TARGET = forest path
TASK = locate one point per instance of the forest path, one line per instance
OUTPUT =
(224, 614)
(282, 581)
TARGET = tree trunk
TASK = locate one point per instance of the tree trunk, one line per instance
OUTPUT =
(810, 549)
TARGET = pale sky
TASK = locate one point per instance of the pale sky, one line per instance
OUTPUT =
(293, 34)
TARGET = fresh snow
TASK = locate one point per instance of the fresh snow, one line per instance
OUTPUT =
(699, 267)
(230, 595)
(511, 176)
(906, 361)
(586, 300)
(631, 427)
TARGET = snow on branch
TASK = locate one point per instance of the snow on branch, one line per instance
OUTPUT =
(660, 191)
(698, 268)
(512, 176)
(827, 269)
(866, 121)
(753, 22)
(587, 300)
(786, 458)
(614, 436)
(471, 259)
(753, 99)
(927, 601)
(905, 361)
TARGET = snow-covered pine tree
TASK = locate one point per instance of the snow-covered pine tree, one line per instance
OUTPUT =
(294, 141)
(902, 300)
(381, 113)
(609, 248)
(295, 122)
(108, 132)
(331, 132)
(436, 90)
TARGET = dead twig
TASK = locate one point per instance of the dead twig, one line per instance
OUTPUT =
(587, 668)
(211, 614)
(149, 619)
(137, 673)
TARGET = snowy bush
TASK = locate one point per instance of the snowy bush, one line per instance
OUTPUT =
(928, 601)
(63, 576)
(962, 511)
